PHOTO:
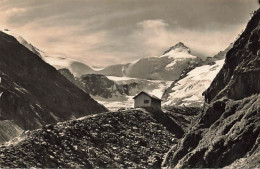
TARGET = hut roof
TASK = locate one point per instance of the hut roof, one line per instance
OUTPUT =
(152, 96)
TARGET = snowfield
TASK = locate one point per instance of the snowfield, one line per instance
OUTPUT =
(168, 66)
(118, 79)
(188, 91)
(178, 54)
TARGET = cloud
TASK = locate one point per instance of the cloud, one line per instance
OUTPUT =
(155, 36)
(104, 32)
(152, 24)
(12, 12)
(15, 11)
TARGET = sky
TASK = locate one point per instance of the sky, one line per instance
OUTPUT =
(106, 32)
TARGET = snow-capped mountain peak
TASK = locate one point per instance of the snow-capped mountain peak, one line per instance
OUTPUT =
(166, 67)
(179, 47)
(179, 52)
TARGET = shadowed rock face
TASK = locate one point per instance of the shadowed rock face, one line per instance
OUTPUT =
(34, 93)
(240, 75)
(66, 72)
(226, 134)
(8, 130)
(100, 85)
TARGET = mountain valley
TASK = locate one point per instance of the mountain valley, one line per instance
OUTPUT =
(57, 112)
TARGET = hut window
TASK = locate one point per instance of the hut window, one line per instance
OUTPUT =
(146, 101)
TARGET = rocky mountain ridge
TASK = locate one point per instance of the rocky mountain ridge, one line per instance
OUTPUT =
(226, 134)
(34, 93)
(59, 62)
(100, 85)
(135, 138)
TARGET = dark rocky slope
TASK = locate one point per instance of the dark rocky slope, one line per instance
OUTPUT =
(67, 73)
(34, 93)
(8, 130)
(226, 134)
(182, 116)
(100, 85)
(240, 75)
(133, 138)
(96, 84)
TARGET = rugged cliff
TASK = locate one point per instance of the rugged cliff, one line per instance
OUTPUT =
(240, 75)
(227, 132)
(100, 85)
(35, 93)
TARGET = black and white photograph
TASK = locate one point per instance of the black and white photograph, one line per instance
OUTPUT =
(107, 84)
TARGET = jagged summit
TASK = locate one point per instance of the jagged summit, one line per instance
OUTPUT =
(179, 47)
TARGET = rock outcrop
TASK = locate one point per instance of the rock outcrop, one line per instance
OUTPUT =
(35, 93)
(100, 85)
(240, 75)
(226, 134)
(66, 73)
